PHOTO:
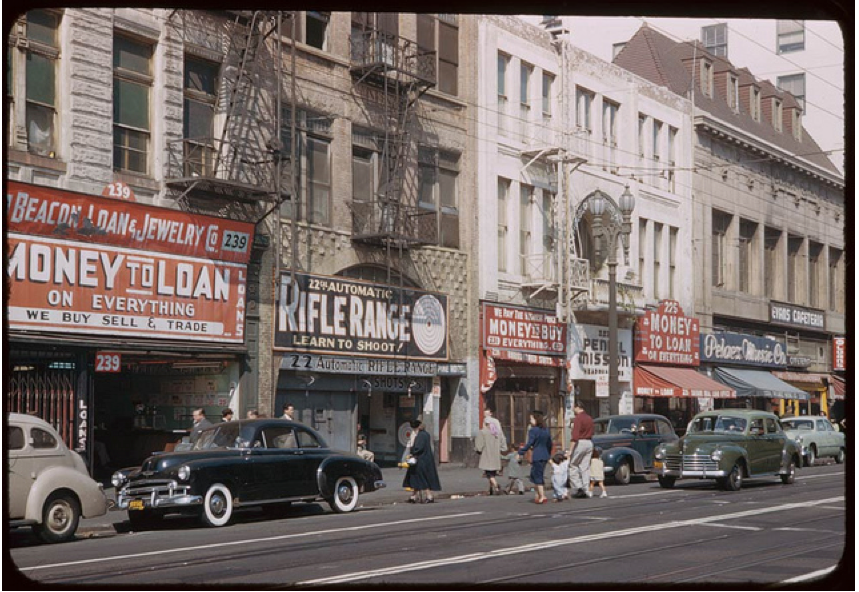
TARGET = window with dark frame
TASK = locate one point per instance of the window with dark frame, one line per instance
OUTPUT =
(790, 35)
(314, 179)
(794, 246)
(795, 85)
(814, 273)
(835, 295)
(132, 85)
(715, 39)
(745, 263)
(201, 90)
(772, 237)
(503, 201)
(720, 224)
(40, 71)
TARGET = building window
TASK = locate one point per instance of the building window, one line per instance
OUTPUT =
(310, 27)
(755, 103)
(438, 171)
(201, 90)
(815, 277)
(609, 130)
(672, 262)
(314, 164)
(794, 246)
(367, 180)
(707, 78)
(526, 196)
(616, 48)
(642, 124)
(836, 294)
(524, 100)
(657, 260)
(584, 104)
(503, 62)
(745, 263)
(795, 85)
(503, 201)
(548, 229)
(715, 39)
(733, 92)
(40, 58)
(771, 253)
(642, 247)
(720, 224)
(439, 35)
(672, 156)
(548, 80)
(791, 35)
(132, 84)
(656, 134)
(778, 114)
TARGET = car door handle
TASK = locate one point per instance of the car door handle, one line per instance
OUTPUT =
(299, 452)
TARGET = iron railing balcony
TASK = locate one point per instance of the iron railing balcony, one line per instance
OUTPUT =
(377, 56)
(388, 222)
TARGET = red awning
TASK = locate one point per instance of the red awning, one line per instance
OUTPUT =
(811, 378)
(659, 381)
(838, 386)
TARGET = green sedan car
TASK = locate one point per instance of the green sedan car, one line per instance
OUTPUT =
(729, 445)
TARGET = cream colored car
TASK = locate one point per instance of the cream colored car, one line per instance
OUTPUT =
(49, 486)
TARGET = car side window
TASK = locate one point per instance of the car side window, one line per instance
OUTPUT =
(772, 426)
(42, 440)
(757, 426)
(279, 437)
(16, 438)
(307, 440)
(821, 425)
(647, 427)
(664, 428)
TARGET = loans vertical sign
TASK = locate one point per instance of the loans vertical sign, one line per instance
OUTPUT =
(87, 264)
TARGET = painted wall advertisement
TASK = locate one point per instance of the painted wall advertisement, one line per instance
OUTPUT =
(839, 353)
(589, 353)
(667, 336)
(524, 330)
(738, 348)
(331, 314)
(86, 264)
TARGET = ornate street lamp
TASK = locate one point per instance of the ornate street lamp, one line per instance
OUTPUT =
(612, 230)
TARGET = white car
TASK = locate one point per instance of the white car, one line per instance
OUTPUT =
(49, 486)
(816, 437)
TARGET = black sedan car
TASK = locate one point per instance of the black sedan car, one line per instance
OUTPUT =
(629, 442)
(244, 463)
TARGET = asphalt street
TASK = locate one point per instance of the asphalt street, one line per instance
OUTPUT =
(641, 534)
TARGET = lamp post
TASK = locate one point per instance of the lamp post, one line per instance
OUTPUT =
(598, 206)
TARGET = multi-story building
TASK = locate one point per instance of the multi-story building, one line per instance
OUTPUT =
(803, 57)
(556, 129)
(333, 142)
(769, 223)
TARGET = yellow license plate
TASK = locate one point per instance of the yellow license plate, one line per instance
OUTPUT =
(136, 505)
(657, 464)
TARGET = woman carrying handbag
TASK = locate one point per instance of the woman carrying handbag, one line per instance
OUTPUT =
(489, 444)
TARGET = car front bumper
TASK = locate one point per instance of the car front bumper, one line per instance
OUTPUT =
(155, 495)
(689, 465)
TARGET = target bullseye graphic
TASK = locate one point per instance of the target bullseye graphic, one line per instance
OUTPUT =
(428, 324)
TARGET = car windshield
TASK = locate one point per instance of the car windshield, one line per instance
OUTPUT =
(797, 424)
(717, 424)
(617, 425)
(231, 434)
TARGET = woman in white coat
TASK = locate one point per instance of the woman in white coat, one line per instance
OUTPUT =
(489, 444)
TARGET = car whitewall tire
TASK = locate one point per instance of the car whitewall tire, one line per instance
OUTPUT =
(217, 505)
(345, 495)
(60, 517)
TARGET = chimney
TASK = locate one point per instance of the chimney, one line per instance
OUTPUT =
(555, 26)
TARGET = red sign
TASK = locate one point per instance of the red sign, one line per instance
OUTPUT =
(117, 278)
(119, 190)
(523, 330)
(108, 361)
(839, 353)
(44, 211)
(667, 336)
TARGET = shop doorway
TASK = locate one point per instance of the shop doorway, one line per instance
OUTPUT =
(513, 410)
(332, 414)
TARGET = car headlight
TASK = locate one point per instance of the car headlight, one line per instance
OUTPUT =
(716, 454)
(184, 472)
(798, 439)
(660, 454)
(118, 479)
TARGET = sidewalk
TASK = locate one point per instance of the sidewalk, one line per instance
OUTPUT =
(456, 480)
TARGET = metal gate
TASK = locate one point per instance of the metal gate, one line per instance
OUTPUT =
(48, 393)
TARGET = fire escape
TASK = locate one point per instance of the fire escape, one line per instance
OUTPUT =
(240, 160)
(401, 72)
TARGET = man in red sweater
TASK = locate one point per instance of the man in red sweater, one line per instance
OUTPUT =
(581, 450)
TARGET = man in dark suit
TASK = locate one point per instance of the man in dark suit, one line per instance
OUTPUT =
(200, 424)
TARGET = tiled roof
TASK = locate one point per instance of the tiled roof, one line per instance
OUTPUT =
(658, 58)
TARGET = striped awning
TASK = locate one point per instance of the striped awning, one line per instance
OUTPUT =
(758, 383)
(668, 381)
(839, 387)
(811, 379)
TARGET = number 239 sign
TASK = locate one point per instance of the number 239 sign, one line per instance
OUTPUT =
(108, 362)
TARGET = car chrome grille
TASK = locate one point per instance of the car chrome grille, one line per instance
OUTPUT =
(691, 462)
(152, 488)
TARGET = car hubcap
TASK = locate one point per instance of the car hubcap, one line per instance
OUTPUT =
(345, 493)
(217, 505)
(59, 517)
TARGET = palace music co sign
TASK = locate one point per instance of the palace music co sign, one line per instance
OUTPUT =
(338, 315)
(667, 336)
(86, 264)
(737, 348)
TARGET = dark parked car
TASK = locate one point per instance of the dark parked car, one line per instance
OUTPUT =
(730, 445)
(628, 443)
(245, 463)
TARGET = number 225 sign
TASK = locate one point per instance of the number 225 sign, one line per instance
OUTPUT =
(108, 362)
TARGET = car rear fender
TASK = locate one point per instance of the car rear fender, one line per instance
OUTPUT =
(334, 467)
(615, 456)
(88, 493)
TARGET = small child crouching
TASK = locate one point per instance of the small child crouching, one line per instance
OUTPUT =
(597, 473)
(560, 476)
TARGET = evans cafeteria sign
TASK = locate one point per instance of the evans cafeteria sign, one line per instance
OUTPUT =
(337, 315)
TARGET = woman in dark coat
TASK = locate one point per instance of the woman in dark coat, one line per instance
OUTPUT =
(422, 476)
(541, 442)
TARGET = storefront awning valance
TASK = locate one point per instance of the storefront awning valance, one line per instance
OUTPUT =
(758, 383)
(659, 381)
(806, 379)
(839, 387)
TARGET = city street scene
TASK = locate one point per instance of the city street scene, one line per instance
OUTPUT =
(332, 299)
